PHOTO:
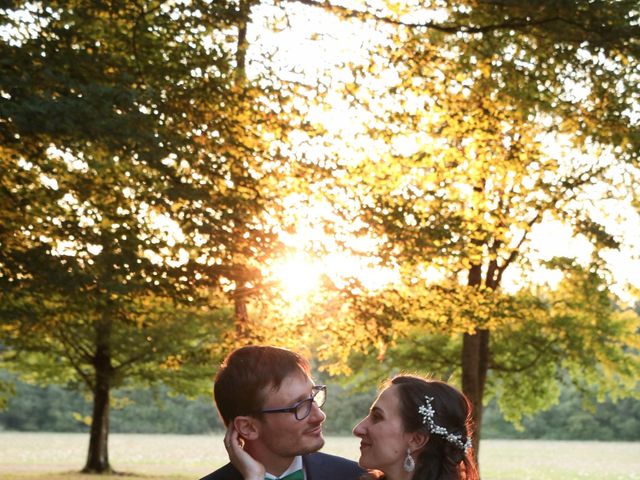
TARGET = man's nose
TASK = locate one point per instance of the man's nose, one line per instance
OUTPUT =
(316, 413)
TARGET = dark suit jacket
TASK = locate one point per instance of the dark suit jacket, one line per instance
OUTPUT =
(317, 466)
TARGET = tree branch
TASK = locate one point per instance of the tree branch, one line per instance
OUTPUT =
(344, 12)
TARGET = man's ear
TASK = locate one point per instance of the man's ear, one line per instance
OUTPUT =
(247, 427)
(417, 441)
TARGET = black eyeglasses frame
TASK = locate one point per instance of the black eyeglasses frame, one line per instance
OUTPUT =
(315, 390)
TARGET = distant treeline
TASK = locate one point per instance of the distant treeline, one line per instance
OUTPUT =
(53, 408)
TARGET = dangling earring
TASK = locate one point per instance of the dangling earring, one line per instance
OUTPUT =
(409, 463)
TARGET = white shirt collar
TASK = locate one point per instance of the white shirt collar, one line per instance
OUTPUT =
(295, 465)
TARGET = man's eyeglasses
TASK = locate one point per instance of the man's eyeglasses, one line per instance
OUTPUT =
(302, 409)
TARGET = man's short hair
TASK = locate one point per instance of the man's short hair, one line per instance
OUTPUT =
(247, 373)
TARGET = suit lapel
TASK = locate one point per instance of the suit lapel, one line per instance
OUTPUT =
(307, 467)
(234, 473)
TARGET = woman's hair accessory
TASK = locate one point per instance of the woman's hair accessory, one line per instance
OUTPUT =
(427, 412)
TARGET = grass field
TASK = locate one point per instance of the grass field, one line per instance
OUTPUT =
(56, 456)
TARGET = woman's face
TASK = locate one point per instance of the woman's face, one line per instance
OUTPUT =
(384, 443)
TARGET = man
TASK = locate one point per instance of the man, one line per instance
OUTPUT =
(265, 395)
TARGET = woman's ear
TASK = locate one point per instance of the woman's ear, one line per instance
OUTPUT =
(247, 427)
(417, 441)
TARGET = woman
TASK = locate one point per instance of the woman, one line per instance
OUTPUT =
(418, 429)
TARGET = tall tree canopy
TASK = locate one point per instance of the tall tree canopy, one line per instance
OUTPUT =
(142, 142)
(484, 120)
(135, 170)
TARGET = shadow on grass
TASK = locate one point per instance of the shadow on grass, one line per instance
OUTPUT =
(90, 476)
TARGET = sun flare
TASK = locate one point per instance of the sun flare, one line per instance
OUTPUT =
(298, 275)
(315, 258)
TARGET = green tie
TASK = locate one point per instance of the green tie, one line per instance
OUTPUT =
(297, 475)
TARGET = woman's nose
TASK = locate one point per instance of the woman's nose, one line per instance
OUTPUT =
(358, 430)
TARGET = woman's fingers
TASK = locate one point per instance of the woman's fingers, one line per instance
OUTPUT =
(245, 463)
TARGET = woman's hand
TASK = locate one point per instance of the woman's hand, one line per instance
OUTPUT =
(250, 468)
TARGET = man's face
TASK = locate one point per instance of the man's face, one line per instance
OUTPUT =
(281, 433)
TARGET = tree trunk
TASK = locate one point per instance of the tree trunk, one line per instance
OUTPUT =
(475, 355)
(475, 365)
(241, 315)
(243, 43)
(98, 455)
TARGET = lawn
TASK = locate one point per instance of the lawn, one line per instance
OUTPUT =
(55, 456)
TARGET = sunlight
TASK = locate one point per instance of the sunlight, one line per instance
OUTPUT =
(305, 54)
(317, 257)
(299, 275)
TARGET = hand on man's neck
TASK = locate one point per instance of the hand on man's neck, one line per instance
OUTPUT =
(274, 464)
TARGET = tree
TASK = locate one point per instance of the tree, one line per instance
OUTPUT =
(486, 119)
(135, 172)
